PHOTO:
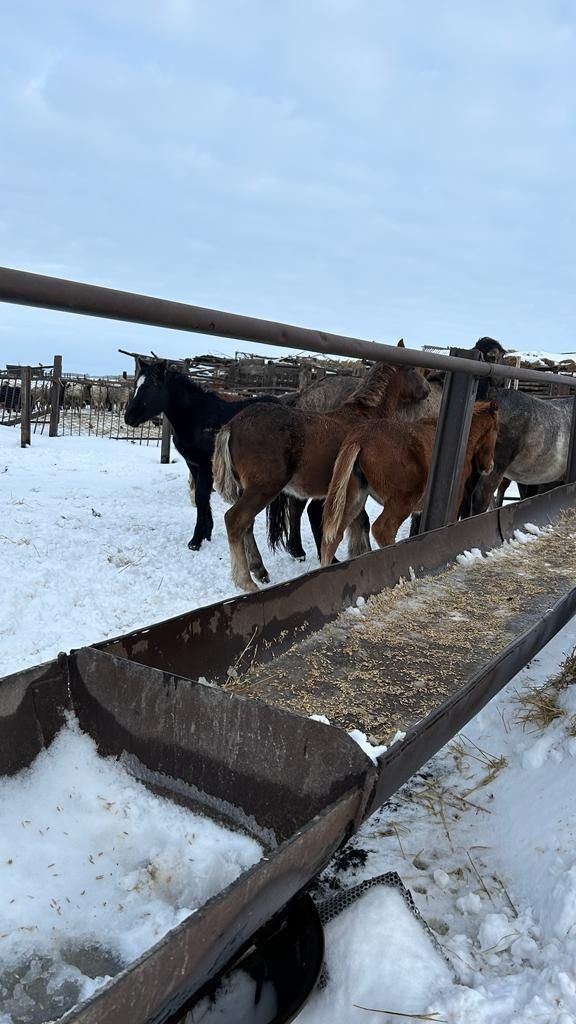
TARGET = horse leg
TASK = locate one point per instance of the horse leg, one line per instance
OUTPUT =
(255, 563)
(484, 492)
(294, 544)
(353, 509)
(314, 510)
(192, 479)
(204, 522)
(465, 510)
(359, 535)
(385, 528)
(504, 485)
(415, 520)
(239, 520)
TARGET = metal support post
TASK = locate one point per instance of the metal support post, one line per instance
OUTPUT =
(55, 397)
(440, 499)
(25, 406)
(165, 442)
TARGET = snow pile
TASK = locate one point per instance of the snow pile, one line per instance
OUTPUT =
(525, 536)
(378, 957)
(363, 742)
(372, 750)
(94, 867)
(468, 558)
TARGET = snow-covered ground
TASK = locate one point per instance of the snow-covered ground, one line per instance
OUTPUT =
(93, 542)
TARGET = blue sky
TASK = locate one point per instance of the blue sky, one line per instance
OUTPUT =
(376, 168)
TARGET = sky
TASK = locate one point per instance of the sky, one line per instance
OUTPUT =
(370, 167)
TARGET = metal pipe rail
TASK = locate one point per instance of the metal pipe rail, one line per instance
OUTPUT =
(23, 288)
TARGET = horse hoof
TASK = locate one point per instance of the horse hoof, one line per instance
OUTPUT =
(262, 577)
(194, 545)
(298, 556)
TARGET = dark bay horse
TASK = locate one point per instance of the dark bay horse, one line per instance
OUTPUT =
(268, 449)
(195, 416)
(391, 461)
(324, 396)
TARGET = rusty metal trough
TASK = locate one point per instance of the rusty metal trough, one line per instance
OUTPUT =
(301, 785)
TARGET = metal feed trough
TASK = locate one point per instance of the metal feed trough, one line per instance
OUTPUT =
(302, 786)
(163, 694)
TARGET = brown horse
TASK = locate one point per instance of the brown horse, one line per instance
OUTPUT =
(391, 461)
(285, 512)
(266, 450)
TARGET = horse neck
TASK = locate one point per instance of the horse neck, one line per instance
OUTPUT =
(187, 404)
(379, 394)
(479, 426)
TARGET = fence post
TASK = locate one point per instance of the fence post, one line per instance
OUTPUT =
(25, 410)
(165, 444)
(55, 397)
(439, 507)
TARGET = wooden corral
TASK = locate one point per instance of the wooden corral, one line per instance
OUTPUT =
(251, 374)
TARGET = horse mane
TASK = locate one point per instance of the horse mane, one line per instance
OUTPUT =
(215, 399)
(483, 411)
(373, 388)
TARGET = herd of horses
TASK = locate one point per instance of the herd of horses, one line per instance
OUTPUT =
(333, 444)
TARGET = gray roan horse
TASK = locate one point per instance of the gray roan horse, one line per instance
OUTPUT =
(324, 396)
(532, 446)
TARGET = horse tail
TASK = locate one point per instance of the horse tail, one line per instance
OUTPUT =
(335, 501)
(278, 521)
(225, 480)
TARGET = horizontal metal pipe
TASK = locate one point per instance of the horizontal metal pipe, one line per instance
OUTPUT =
(26, 289)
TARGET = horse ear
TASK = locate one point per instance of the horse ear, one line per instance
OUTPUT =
(401, 343)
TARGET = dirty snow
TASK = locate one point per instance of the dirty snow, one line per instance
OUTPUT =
(484, 837)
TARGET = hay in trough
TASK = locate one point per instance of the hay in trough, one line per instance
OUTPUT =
(385, 666)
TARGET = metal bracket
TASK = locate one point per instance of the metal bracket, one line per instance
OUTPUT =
(439, 506)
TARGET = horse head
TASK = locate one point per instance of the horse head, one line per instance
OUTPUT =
(413, 386)
(486, 416)
(148, 397)
(492, 351)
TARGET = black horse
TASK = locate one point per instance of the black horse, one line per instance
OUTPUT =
(195, 415)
